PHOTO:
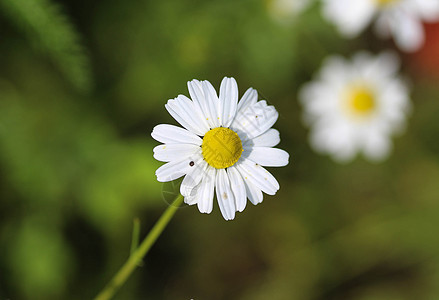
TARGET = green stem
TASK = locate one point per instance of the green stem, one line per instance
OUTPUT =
(135, 236)
(122, 275)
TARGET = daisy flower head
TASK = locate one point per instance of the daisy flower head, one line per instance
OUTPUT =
(401, 19)
(356, 106)
(222, 148)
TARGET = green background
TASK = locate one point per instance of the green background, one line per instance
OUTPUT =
(82, 84)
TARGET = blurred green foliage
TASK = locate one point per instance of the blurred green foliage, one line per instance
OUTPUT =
(76, 160)
(49, 30)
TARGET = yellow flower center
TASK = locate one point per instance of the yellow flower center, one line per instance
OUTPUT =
(221, 147)
(385, 2)
(361, 101)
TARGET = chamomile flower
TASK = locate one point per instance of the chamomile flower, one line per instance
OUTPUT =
(223, 147)
(356, 106)
(401, 19)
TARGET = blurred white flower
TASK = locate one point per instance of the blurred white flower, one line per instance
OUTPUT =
(401, 19)
(355, 106)
(224, 146)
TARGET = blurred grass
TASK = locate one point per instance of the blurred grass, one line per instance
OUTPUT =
(49, 30)
(75, 168)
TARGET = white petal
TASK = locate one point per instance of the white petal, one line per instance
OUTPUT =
(250, 97)
(408, 32)
(183, 110)
(376, 69)
(197, 94)
(181, 119)
(196, 91)
(265, 156)
(175, 169)
(319, 99)
(194, 195)
(377, 146)
(228, 99)
(238, 188)
(338, 139)
(193, 198)
(254, 193)
(350, 16)
(224, 195)
(193, 178)
(426, 9)
(195, 112)
(336, 70)
(395, 104)
(211, 101)
(169, 152)
(205, 192)
(268, 139)
(170, 134)
(258, 176)
(254, 120)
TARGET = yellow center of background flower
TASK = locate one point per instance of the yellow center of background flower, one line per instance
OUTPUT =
(362, 101)
(385, 2)
(221, 147)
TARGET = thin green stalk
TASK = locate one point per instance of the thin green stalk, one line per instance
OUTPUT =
(135, 235)
(122, 275)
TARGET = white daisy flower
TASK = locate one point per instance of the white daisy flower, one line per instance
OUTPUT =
(356, 106)
(223, 146)
(401, 19)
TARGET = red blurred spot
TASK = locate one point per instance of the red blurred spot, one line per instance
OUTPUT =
(426, 60)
